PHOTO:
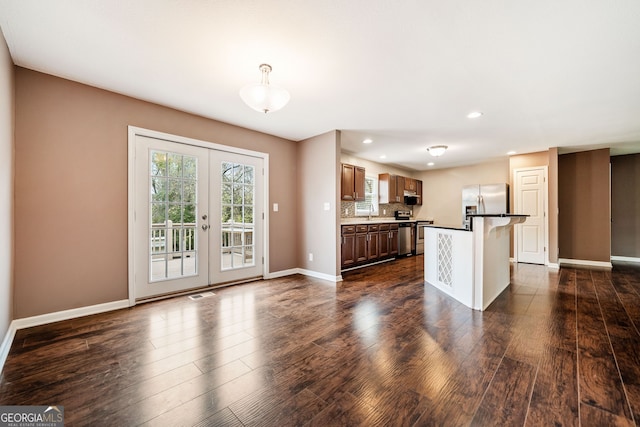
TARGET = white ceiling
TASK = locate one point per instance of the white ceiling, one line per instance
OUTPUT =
(545, 73)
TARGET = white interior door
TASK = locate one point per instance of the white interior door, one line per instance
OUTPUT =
(529, 199)
(198, 217)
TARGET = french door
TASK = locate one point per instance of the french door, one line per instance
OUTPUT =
(198, 217)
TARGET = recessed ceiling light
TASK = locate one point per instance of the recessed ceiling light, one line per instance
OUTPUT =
(511, 153)
(367, 141)
(430, 164)
(474, 114)
(384, 156)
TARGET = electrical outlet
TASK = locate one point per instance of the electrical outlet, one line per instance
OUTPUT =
(310, 256)
(384, 211)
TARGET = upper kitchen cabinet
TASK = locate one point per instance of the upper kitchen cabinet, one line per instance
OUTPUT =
(410, 185)
(352, 183)
(388, 188)
(392, 188)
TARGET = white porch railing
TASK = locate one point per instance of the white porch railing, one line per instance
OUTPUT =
(172, 238)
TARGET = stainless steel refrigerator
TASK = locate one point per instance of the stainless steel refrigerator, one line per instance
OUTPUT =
(484, 199)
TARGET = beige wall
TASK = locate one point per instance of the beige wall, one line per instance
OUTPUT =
(318, 233)
(625, 205)
(583, 197)
(71, 189)
(6, 186)
(442, 188)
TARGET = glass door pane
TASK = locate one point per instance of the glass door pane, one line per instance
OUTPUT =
(174, 209)
(237, 223)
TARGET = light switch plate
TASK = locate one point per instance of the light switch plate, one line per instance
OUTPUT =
(327, 206)
(275, 207)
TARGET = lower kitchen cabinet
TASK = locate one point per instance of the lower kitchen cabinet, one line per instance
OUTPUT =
(383, 238)
(348, 246)
(362, 249)
(373, 243)
(363, 244)
(393, 240)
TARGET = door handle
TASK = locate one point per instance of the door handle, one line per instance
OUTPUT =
(205, 227)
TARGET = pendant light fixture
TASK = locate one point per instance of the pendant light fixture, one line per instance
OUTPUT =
(437, 150)
(262, 96)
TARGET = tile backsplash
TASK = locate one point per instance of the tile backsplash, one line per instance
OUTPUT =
(348, 209)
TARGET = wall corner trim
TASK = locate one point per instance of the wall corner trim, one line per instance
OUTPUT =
(304, 272)
(318, 275)
(281, 273)
(6, 344)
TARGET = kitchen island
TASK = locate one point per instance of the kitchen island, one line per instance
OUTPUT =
(472, 266)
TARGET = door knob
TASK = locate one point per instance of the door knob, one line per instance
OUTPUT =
(205, 227)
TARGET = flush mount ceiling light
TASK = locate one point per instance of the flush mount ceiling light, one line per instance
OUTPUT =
(474, 114)
(262, 96)
(367, 141)
(437, 150)
(430, 164)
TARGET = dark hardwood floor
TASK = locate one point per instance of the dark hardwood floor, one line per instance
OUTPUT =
(381, 348)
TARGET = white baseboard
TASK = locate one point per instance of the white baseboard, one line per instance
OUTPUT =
(318, 275)
(43, 319)
(582, 262)
(73, 313)
(281, 273)
(6, 344)
(624, 258)
(304, 272)
(553, 266)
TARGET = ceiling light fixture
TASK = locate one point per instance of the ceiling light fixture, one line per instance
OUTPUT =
(437, 150)
(262, 96)
(474, 114)
(384, 156)
(430, 164)
(511, 153)
(367, 141)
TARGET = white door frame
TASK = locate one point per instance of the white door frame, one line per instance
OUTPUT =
(516, 198)
(134, 131)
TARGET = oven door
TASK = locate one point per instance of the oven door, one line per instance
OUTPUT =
(420, 238)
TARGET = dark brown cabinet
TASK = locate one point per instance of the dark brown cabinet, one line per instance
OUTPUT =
(365, 244)
(352, 183)
(373, 243)
(348, 247)
(391, 188)
(388, 187)
(383, 243)
(362, 248)
(393, 240)
(410, 184)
